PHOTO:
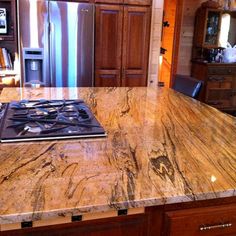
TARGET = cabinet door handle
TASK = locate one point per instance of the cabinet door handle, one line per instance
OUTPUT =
(220, 226)
(218, 79)
(214, 103)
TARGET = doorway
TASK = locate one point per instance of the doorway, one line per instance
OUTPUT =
(172, 20)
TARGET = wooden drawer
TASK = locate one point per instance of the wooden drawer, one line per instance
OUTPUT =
(210, 221)
(217, 81)
(219, 91)
(219, 98)
(221, 70)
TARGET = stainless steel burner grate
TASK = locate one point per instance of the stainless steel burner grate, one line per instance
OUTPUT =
(48, 119)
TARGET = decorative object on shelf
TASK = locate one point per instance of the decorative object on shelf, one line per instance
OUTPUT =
(226, 5)
(3, 21)
(5, 59)
(232, 5)
(210, 4)
(229, 54)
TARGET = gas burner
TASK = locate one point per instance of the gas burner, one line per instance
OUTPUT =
(48, 119)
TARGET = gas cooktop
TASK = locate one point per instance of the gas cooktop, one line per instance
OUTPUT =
(47, 120)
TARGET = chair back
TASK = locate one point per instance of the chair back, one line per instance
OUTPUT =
(187, 85)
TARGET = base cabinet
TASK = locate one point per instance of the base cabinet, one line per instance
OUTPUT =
(119, 226)
(219, 88)
(199, 218)
(210, 221)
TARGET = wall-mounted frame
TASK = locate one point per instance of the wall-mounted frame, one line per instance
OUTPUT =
(3, 20)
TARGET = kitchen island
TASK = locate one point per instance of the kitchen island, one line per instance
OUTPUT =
(162, 149)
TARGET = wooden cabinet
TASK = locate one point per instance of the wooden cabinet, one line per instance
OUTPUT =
(196, 218)
(9, 40)
(121, 45)
(118, 226)
(210, 221)
(108, 45)
(219, 84)
(10, 6)
(135, 46)
(207, 28)
(8, 77)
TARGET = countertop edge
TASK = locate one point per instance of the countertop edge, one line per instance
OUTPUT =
(46, 215)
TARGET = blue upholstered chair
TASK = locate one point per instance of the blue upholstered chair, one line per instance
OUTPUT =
(187, 85)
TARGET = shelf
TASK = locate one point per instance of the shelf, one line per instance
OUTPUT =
(8, 73)
(6, 37)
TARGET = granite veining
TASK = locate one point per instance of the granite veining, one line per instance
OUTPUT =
(162, 147)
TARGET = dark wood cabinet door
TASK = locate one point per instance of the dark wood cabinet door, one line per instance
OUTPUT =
(210, 221)
(136, 32)
(138, 2)
(108, 41)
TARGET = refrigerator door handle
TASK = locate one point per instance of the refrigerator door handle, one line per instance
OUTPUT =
(84, 10)
(51, 50)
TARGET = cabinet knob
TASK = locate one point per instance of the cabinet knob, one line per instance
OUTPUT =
(214, 103)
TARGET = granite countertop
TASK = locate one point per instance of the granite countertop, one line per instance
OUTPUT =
(162, 147)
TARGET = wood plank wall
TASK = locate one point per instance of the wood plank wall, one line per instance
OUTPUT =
(155, 42)
(167, 41)
(186, 40)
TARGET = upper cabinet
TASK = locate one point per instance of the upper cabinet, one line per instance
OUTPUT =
(207, 28)
(214, 28)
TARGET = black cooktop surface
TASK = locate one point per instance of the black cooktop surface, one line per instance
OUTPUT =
(47, 120)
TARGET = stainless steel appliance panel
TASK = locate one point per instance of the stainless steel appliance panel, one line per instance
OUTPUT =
(33, 33)
(71, 44)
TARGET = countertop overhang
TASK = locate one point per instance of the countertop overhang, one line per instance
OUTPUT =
(162, 147)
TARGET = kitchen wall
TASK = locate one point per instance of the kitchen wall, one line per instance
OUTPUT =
(155, 42)
(186, 38)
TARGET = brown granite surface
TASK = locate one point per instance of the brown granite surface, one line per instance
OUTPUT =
(162, 147)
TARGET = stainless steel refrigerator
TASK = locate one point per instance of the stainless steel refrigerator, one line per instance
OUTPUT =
(56, 42)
